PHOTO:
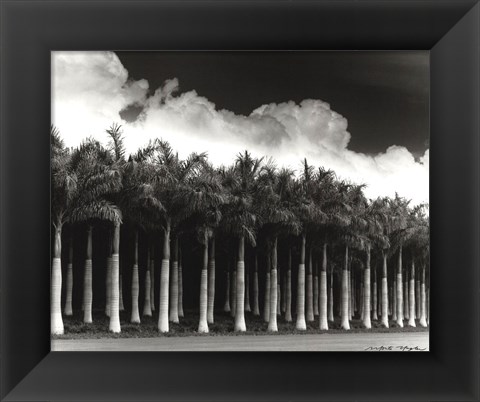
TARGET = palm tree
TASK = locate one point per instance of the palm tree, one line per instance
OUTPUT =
(400, 233)
(275, 219)
(201, 199)
(308, 214)
(64, 186)
(163, 177)
(240, 219)
(98, 179)
(68, 311)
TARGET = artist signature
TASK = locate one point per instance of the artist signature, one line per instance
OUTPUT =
(398, 348)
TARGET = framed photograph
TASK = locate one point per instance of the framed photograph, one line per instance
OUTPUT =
(186, 183)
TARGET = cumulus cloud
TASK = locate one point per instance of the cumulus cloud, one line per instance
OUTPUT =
(90, 89)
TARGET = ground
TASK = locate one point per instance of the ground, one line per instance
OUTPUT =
(183, 336)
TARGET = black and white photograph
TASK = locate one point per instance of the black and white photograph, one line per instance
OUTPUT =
(240, 201)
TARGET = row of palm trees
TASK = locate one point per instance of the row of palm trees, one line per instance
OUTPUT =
(251, 205)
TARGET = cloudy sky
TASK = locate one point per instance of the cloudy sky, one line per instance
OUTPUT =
(363, 114)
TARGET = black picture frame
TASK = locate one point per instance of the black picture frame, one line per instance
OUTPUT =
(31, 29)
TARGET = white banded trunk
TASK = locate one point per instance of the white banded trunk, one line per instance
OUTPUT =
(87, 292)
(211, 291)
(423, 310)
(272, 322)
(240, 295)
(68, 297)
(375, 301)
(279, 298)
(417, 299)
(310, 316)
(173, 313)
(411, 320)
(399, 300)
(406, 308)
(180, 289)
(152, 282)
(121, 307)
(135, 316)
(350, 298)
(394, 301)
(234, 294)
(323, 301)
(226, 306)
(330, 300)
(288, 297)
(315, 295)
(163, 325)
(345, 300)
(247, 291)
(266, 305)
(114, 325)
(256, 306)
(203, 324)
(366, 297)
(283, 306)
(301, 324)
(108, 286)
(147, 306)
(384, 302)
(56, 321)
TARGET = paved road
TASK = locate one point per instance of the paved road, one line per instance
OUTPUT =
(410, 341)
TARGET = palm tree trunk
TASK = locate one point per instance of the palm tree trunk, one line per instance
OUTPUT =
(152, 279)
(173, 312)
(135, 316)
(147, 305)
(202, 323)
(266, 304)
(108, 284)
(240, 286)
(234, 289)
(180, 283)
(350, 298)
(418, 305)
(288, 286)
(353, 293)
(279, 294)
(56, 321)
(121, 306)
(68, 296)
(394, 300)
(163, 324)
(247, 290)
(226, 306)
(211, 282)
(330, 298)
(375, 295)
(310, 317)
(423, 301)
(256, 306)
(400, 290)
(366, 292)
(114, 325)
(87, 280)
(323, 291)
(345, 294)
(406, 308)
(301, 324)
(411, 319)
(283, 281)
(272, 323)
(315, 290)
